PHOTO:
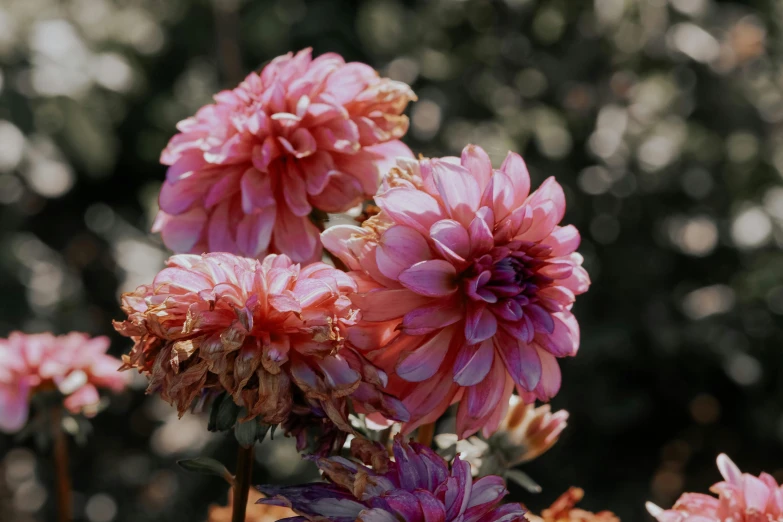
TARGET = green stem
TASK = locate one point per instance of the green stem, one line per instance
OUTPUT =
(61, 464)
(242, 483)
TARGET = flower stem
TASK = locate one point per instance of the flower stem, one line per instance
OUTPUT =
(242, 483)
(426, 434)
(61, 464)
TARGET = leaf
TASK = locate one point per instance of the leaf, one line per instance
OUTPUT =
(206, 466)
(245, 432)
(227, 415)
(213, 412)
(523, 480)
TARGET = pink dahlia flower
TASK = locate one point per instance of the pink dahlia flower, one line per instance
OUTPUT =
(417, 486)
(270, 334)
(741, 498)
(246, 172)
(74, 364)
(466, 282)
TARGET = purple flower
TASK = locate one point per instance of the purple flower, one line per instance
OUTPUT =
(417, 486)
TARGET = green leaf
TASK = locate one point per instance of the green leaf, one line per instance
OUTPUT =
(213, 412)
(523, 480)
(206, 466)
(245, 432)
(227, 415)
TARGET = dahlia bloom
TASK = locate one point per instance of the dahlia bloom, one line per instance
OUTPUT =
(741, 498)
(526, 431)
(245, 172)
(417, 485)
(74, 364)
(524, 434)
(563, 510)
(466, 282)
(270, 334)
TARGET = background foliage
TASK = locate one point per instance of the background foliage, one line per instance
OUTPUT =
(662, 119)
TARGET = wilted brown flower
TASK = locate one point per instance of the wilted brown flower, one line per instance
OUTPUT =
(270, 334)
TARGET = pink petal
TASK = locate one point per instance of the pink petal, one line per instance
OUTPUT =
(84, 397)
(254, 232)
(434, 278)
(451, 238)
(372, 163)
(335, 239)
(729, 470)
(316, 169)
(563, 341)
(399, 248)
(756, 494)
(296, 236)
(384, 305)
(521, 360)
(540, 224)
(256, 191)
(294, 190)
(563, 240)
(426, 319)
(480, 323)
(514, 167)
(480, 233)
(473, 363)
(549, 384)
(499, 196)
(458, 190)
(341, 193)
(477, 162)
(484, 397)
(181, 233)
(220, 233)
(176, 198)
(550, 190)
(424, 361)
(410, 207)
(190, 161)
(14, 407)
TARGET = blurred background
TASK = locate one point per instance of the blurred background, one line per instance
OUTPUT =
(661, 118)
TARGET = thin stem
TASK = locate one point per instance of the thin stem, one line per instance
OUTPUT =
(242, 483)
(61, 464)
(426, 434)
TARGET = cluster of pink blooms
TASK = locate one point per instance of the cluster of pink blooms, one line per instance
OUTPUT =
(303, 134)
(75, 365)
(458, 291)
(741, 498)
(417, 486)
(466, 283)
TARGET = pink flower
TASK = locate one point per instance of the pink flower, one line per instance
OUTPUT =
(418, 485)
(466, 284)
(269, 334)
(74, 364)
(741, 498)
(303, 134)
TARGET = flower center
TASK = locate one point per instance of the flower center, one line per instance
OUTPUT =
(506, 276)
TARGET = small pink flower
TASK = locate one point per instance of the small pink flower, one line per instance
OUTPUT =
(466, 283)
(269, 334)
(74, 364)
(741, 498)
(246, 172)
(418, 485)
